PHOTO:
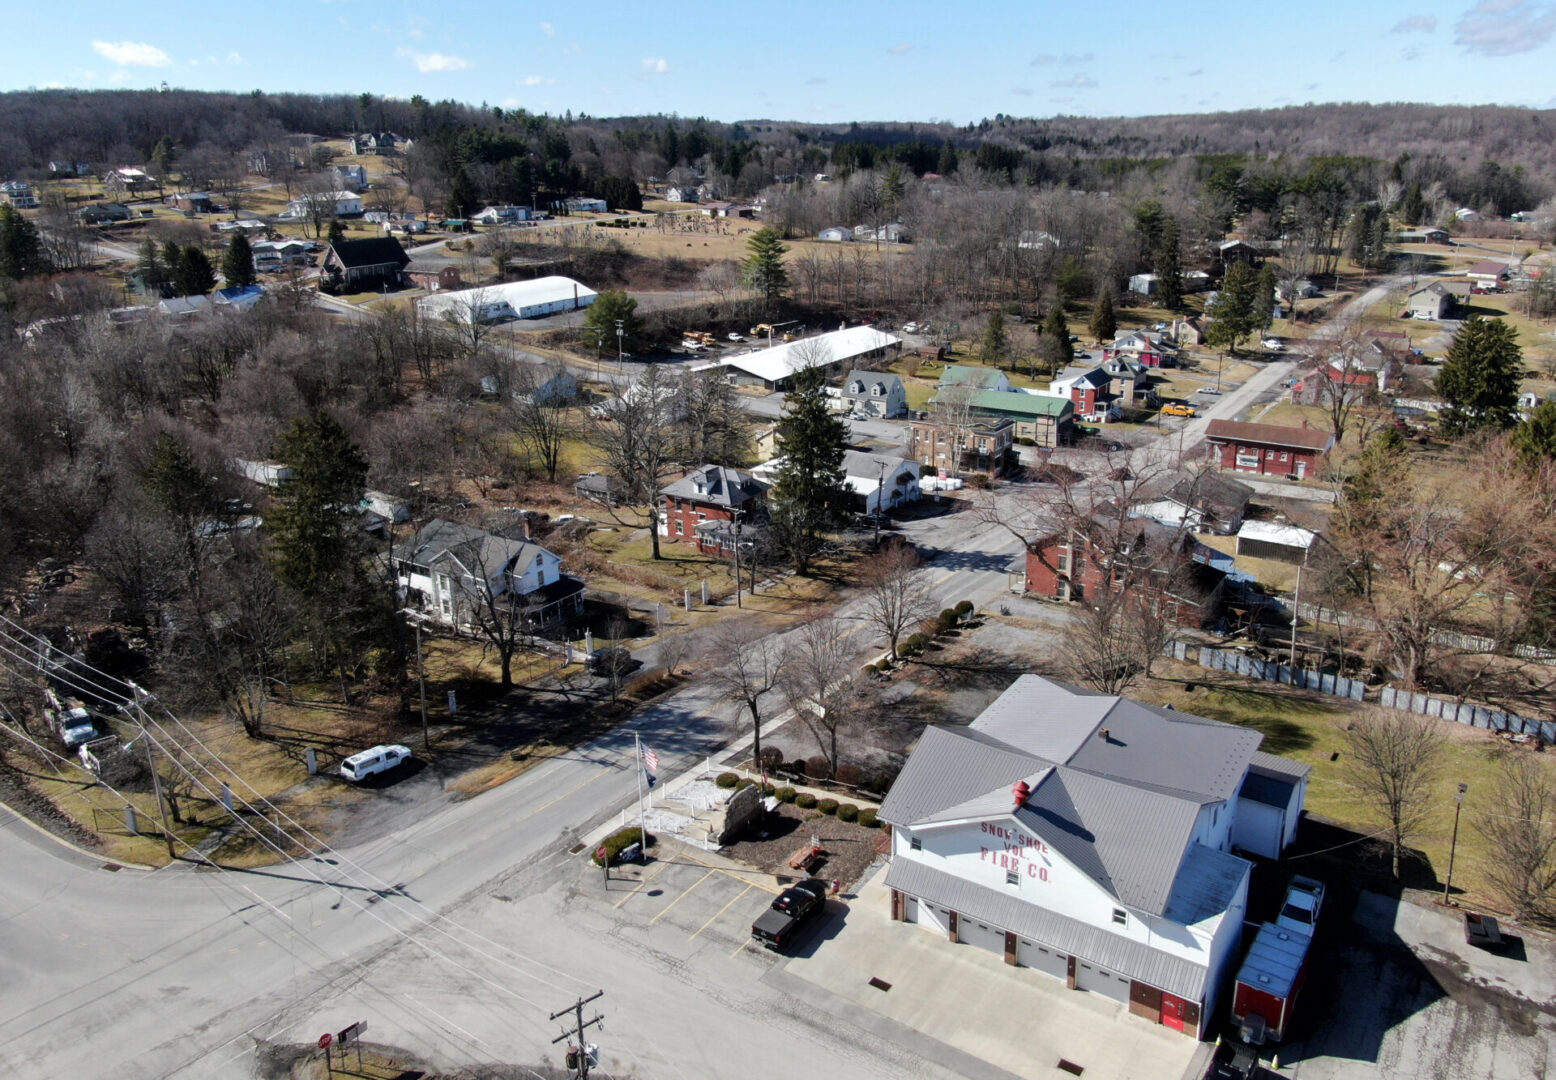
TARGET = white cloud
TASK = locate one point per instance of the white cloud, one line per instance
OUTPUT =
(899, 49)
(427, 63)
(1078, 81)
(132, 53)
(536, 80)
(1426, 24)
(236, 59)
(548, 29)
(656, 65)
(1505, 27)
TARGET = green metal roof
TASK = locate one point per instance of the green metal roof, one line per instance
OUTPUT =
(1014, 403)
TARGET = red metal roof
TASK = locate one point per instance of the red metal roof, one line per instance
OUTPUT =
(1269, 435)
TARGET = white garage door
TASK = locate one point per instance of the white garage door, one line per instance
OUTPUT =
(971, 932)
(1033, 955)
(1098, 980)
(931, 918)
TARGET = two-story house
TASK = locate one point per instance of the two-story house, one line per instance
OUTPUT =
(1090, 390)
(1091, 838)
(1148, 350)
(452, 571)
(874, 393)
(710, 493)
(984, 445)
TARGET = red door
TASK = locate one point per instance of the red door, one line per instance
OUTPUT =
(1172, 1011)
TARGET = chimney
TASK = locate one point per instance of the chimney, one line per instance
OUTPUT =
(1020, 791)
(1104, 735)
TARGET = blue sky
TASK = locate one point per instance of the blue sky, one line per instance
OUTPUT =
(837, 61)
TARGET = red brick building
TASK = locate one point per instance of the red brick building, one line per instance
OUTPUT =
(986, 445)
(1268, 449)
(710, 493)
(1161, 567)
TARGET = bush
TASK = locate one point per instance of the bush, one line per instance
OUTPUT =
(772, 757)
(619, 841)
(785, 794)
(797, 766)
(727, 780)
(818, 768)
(848, 812)
(849, 774)
(980, 481)
(827, 806)
(743, 783)
(964, 608)
(805, 800)
(946, 620)
(912, 646)
(867, 818)
(769, 789)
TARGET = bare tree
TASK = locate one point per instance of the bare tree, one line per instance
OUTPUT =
(952, 413)
(493, 601)
(1340, 388)
(897, 592)
(718, 428)
(538, 404)
(1520, 833)
(819, 680)
(679, 650)
(636, 434)
(1100, 647)
(753, 668)
(1394, 758)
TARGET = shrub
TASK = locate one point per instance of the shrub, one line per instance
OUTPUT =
(818, 768)
(619, 841)
(743, 783)
(727, 780)
(797, 766)
(946, 620)
(848, 774)
(963, 608)
(805, 800)
(867, 818)
(827, 806)
(912, 646)
(848, 812)
(772, 757)
(785, 794)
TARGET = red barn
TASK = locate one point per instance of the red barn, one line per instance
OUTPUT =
(1267, 449)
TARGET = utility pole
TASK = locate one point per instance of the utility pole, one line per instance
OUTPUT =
(1296, 604)
(880, 501)
(416, 618)
(1453, 848)
(737, 558)
(151, 765)
(578, 1058)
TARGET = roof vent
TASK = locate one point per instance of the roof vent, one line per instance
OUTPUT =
(1021, 791)
(1104, 734)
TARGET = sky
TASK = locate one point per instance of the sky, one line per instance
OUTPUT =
(816, 62)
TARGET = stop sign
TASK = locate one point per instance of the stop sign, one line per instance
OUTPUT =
(599, 853)
(325, 1040)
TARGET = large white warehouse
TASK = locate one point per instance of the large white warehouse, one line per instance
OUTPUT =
(513, 300)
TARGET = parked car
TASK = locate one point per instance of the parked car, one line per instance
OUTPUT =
(379, 759)
(794, 907)
(1179, 408)
(1299, 911)
(734, 336)
(910, 328)
(1274, 344)
(612, 658)
(1208, 391)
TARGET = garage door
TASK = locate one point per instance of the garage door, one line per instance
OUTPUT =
(1049, 961)
(1109, 984)
(931, 918)
(971, 932)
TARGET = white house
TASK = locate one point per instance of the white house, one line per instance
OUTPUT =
(351, 176)
(836, 233)
(681, 194)
(578, 204)
(877, 393)
(268, 473)
(447, 569)
(512, 300)
(1091, 838)
(501, 215)
(1143, 284)
(880, 482)
(339, 203)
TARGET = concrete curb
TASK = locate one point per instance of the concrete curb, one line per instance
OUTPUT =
(75, 849)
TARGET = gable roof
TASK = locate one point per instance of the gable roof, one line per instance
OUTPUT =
(1488, 268)
(869, 379)
(783, 361)
(967, 375)
(1269, 435)
(868, 466)
(475, 550)
(1019, 403)
(373, 251)
(1219, 494)
(1121, 808)
(717, 485)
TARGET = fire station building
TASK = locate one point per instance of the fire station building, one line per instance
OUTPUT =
(1092, 838)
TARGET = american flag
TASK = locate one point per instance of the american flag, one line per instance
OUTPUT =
(650, 759)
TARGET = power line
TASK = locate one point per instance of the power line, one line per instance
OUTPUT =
(578, 1055)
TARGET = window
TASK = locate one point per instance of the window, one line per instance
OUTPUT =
(916, 844)
(1012, 878)
(1283, 455)
(680, 527)
(1120, 916)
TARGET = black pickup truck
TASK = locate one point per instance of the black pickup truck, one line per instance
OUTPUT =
(795, 906)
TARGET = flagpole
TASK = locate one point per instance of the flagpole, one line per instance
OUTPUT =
(642, 814)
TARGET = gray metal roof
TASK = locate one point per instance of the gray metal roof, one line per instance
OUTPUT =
(1008, 911)
(1274, 959)
(868, 466)
(716, 485)
(946, 769)
(1207, 884)
(474, 550)
(868, 379)
(1280, 766)
(1269, 790)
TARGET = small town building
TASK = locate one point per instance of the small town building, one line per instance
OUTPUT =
(875, 393)
(1204, 502)
(501, 215)
(326, 203)
(710, 493)
(836, 234)
(984, 378)
(104, 213)
(1434, 301)
(1147, 350)
(351, 177)
(1089, 389)
(580, 204)
(775, 368)
(192, 202)
(19, 194)
(364, 264)
(238, 298)
(983, 446)
(511, 300)
(434, 275)
(451, 571)
(1271, 540)
(1327, 385)
(681, 194)
(1043, 419)
(879, 482)
(1238, 251)
(1427, 235)
(603, 488)
(1267, 449)
(1089, 838)
(1488, 274)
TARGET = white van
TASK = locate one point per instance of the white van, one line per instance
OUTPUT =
(377, 760)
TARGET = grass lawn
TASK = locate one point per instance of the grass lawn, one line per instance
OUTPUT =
(1311, 728)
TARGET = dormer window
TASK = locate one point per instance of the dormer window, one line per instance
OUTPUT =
(878, 390)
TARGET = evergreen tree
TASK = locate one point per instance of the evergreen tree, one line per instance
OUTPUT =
(1480, 377)
(21, 252)
(1150, 216)
(337, 233)
(194, 276)
(1057, 332)
(238, 262)
(996, 342)
(461, 197)
(948, 159)
(162, 157)
(185, 493)
(152, 271)
(1169, 274)
(764, 269)
(172, 259)
(1103, 325)
(599, 325)
(1412, 209)
(810, 492)
(1233, 313)
(1535, 438)
(1264, 298)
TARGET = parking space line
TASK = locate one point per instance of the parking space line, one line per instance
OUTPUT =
(736, 877)
(683, 896)
(721, 911)
(646, 879)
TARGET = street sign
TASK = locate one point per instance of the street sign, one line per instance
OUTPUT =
(325, 1040)
(599, 853)
(352, 1034)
